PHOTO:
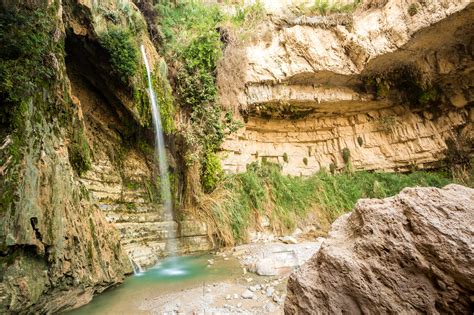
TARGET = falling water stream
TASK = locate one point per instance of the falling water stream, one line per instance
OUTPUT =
(171, 274)
(160, 155)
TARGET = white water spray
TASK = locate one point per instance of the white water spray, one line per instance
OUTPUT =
(160, 155)
(137, 269)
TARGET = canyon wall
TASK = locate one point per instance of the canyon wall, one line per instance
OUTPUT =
(388, 85)
(122, 181)
(57, 249)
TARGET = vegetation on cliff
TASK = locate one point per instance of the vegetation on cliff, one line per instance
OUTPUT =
(29, 61)
(263, 190)
(45, 213)
(123, 53)
(121, 30)
(193, 46)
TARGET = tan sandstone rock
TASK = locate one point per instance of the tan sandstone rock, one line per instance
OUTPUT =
(412, 253)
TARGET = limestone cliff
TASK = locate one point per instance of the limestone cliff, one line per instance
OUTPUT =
(389, 84)
(57, 249)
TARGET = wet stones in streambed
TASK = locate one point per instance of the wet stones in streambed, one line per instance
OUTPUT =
(248, 294)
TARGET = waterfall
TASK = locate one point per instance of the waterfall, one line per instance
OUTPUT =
(137, 269)
(160, 155)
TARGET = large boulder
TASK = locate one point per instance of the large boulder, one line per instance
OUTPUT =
(412, 253)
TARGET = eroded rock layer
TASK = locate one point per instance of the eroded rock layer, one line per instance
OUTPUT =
(389, 83)
(408, 254)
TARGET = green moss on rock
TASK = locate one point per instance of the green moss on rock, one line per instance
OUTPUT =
(123, 52)
(79, 152)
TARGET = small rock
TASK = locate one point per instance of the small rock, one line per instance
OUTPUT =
(244, 270)
(210, 261)
(288, 240)
(441, 285)
(269, 291)
(226, 258)
(252, 288)
(249, 280)
(228, 297)
(236, 296)
(270, 308)
(297, 232)
(239, 305)
(278, 299)
(248, 294)
(258, 287)
(208, 290)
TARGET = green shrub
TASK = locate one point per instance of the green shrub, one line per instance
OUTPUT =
(346, 155)
(360, 141)
(305, 161)
(211, 172)
(285, 157)
(203, 52)
(413, 9)
(195, 88)
(123, 52)
(387, 123)
(247, 17)
(428, 95)
(325, 7)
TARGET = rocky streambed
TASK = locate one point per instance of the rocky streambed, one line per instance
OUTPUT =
(247, 279)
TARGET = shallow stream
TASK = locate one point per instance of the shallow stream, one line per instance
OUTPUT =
(169, 275)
